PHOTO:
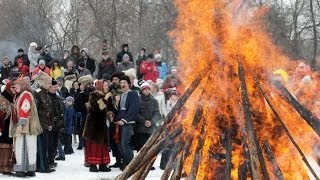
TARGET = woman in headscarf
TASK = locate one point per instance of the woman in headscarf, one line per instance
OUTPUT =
(24, 128)
(96, 128)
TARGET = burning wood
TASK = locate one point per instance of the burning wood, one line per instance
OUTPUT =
(270, 156)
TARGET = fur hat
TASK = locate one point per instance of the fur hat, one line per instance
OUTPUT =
(41, 78)
(33, 44)
(157, 56)
(71, 77)
(126, 78)
(87, 79)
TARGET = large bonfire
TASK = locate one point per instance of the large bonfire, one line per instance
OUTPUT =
(233, 122)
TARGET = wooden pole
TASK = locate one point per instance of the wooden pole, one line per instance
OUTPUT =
(270, 156)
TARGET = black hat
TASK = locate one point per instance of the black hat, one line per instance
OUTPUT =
(117, 74)
(106, 77)
(126, 78)
(143, 49)
(150, 56)
(54, 82)
(125, 45)
(20, 50)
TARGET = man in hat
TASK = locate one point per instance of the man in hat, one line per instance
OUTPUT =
(106, 66)
(128, 111)
(86, 84)
(45, 140)
(149, 115)
(124, 50)
(23, 57)
(125, 64)
(87, 61)
(24, 127)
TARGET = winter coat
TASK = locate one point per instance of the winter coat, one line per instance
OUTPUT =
(5, 71)
(57, 72)
(148, 110)
(33, 58)
(5, 112)
(24, 69)
(163, 70)
(73, 92)
(89, 63)
(70, 117)
(84, 72)
(32, 124)
(71, 72)
(125, 66)
(96, 128)
(120, 56)
(131, 110)
(37, 69)
(63, 92)
(149, 71)
(50, 109)
(106, 67)
(47, 57)
(24, 58)
(138, 63)
(80, 106)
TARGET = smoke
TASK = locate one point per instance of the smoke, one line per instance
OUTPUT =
(10, 49)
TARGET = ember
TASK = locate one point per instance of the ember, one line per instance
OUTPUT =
(238, 122)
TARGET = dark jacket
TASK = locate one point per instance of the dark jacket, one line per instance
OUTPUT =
(120, 55)
(95, 128)
(148, 110)
(131, 111)
(47, 57)
(24, 58)
(106, 67)
(80, 106)
(63, 92)
(70, 116)
(5, 71)
(89, 63)
(71, 72)
(64, 62)
(50, 109)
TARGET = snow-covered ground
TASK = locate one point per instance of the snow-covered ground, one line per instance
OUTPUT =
(73, 169)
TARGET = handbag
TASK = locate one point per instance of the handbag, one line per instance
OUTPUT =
(12, 159)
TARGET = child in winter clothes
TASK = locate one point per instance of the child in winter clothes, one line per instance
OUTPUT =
(70, 116)
(172, 101)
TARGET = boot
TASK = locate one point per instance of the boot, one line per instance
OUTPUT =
(20, 174)
(59, 158)
(31, 174)
(93, 168)
(104, 168)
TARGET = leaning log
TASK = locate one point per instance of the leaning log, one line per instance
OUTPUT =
(304, 112)
(178, 170)
(170, 165)
(256, 158)
(270, 156)
(228, 148)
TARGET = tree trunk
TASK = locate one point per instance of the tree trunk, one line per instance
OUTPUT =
(315, 37)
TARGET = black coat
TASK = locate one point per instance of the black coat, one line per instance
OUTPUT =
(47, 57)
(106, 67)
(80, 106)
(95, 128)
(148, 110)
(24, 58)
(90, 64)
(120, 55)
(5, 71)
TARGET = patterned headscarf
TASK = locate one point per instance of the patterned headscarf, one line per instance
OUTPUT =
(24, 84)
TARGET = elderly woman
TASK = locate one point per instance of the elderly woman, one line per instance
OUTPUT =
(96, 128)
(24, 128)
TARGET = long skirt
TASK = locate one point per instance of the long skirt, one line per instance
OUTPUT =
(5, 155)
(96, 154)
(26, 153)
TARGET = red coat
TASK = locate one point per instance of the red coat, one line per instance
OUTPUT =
(37, 69)
(24, 69)
(149, 70)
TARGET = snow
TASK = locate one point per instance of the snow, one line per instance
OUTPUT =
(73, 169)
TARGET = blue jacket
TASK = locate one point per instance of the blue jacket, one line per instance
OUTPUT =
(130, 113)
(70, 116)
(163, 71)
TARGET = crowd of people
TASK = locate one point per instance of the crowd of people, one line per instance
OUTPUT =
(104, 106)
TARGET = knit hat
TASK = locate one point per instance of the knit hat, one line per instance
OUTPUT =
(145, 86)
(20, 50)
(157, 56)
(85, 50)
(33, 44)
(125, 78)
(60, 78)
(19, 61)
(54, 82)
(87, 79)
(42, 62)
(125, 45)
(69, 98)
